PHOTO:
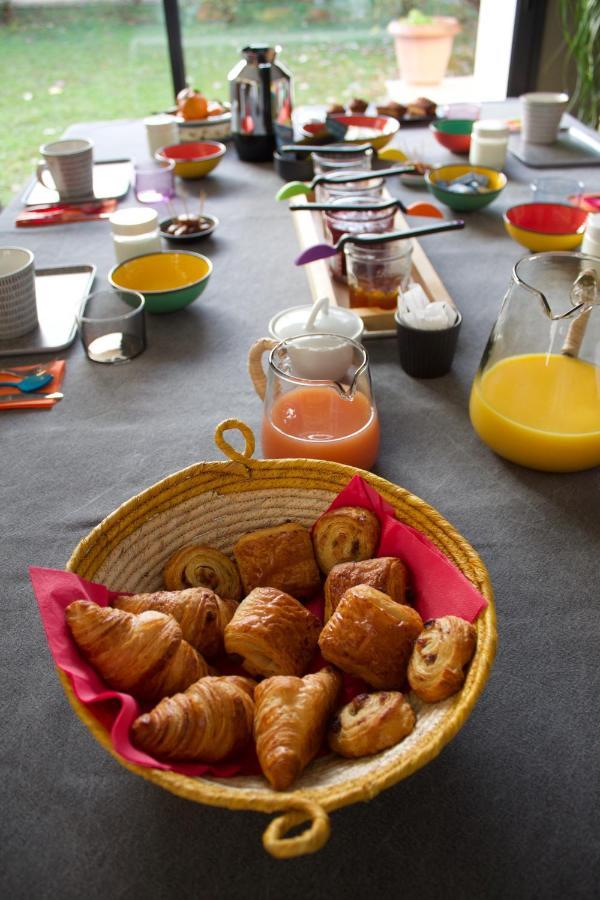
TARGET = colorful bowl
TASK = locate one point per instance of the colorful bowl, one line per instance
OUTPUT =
(464, 202)
(194, 159)
(546, 226)
(374, 130)
(453, 134)
(168, 281)
(191, 235)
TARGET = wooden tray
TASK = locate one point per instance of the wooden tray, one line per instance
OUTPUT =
(378, 322)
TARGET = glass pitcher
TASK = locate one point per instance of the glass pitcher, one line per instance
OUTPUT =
(536, 396)
(318, 400)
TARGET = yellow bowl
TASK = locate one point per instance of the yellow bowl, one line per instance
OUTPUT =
(546, 226)
(193, 159)
(168, 281)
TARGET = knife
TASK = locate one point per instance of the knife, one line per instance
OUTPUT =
(10, 398)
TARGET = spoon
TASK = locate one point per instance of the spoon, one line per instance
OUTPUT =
(390, 154)
(292, 188)
(414, 209)
(29, 383)
(35, 370)
(322, 251)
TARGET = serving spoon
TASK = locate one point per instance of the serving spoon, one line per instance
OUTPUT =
(29, 383)
(292, 188)
(322, 251)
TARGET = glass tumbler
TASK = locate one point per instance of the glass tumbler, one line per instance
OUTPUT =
(155, 181)
(330, 163)
(336, 188)
(377, 272)
(554, 189)
(112, 325)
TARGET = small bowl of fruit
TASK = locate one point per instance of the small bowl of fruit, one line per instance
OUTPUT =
(201, 119)
(188, 227)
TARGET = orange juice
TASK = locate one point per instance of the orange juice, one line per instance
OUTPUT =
(540, 410)
(317, 423)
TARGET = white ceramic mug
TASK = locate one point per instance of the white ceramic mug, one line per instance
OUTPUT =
(70, 165)
(541, 115)
(18, 308)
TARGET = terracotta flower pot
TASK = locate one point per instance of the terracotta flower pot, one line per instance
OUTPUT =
(423, 51)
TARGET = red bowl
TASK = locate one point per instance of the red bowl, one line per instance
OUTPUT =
(194, 159)
(547, 218)
(453, 134)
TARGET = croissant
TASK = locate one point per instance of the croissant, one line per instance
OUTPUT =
(201, 566)
(346, 534)
(201, 614)
(273, 633)
(143, 655)
(386, 573)
(280, 557)
(210, 721)
(370, 723)
(371, 636)
(442, 650)
(290, 720)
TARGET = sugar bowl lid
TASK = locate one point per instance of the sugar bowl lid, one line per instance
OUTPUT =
(320, 317)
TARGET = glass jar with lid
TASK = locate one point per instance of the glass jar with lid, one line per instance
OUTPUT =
(335, 186)
(363, 217)
(135, 232)
(489, 144)
(377, 272)
(326, 162)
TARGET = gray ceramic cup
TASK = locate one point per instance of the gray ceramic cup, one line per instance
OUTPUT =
(18, 307)
(69, 164)
(541, 113)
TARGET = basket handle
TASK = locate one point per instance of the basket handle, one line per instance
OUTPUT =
(309, 841)
(255, 367)
(226, 448)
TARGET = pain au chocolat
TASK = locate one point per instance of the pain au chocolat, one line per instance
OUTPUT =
(346, 534)
(370, 723)
(279, 557)
(273, 633)
(371, 636)
(200, 566)
(386, 573)
(437, 666)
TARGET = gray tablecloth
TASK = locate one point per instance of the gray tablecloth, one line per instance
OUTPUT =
(511, 806)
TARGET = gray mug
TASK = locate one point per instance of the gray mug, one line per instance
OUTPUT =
(70, 166)
(18, 307)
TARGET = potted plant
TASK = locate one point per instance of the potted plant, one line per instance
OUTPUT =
(423, 46)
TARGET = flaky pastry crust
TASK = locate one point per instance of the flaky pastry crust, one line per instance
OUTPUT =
(386, 573)
(371, 636)
(370, 723)
(290, 721)
(273, 633)
(279, 557)
(347, 534)
(202, 615)
(202, 566)
(441, 652)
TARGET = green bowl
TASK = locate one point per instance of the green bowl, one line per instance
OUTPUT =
(464, 202)
(169, 280)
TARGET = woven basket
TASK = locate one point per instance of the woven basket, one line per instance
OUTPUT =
(215, 503)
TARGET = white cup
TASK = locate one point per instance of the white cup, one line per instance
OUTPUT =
(541, 115)
(71, 168)
(321, 356)
(161, 131)
(18, 308)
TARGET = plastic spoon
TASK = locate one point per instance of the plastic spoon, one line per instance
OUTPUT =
(29, 383)
(414, 209)
(322, 251)
(292, 188)
(390, 154)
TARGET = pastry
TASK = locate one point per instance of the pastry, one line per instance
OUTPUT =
(143, 655)
(386, 573)
(393, 109)
(273, 633)
(442, 650)
(290, 720)
(210, 721)
(201, 614)
(201, 566)
(371, 636)
(280, 557)
(358, 105)
(370, 723)
(346, 534)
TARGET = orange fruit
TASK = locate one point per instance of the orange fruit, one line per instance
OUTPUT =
(192, 105)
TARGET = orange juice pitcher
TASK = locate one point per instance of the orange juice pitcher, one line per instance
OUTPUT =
(318, 400)
(535, 399)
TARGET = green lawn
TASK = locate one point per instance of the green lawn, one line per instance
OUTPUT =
(64, 65)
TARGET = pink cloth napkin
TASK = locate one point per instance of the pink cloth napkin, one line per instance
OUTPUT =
(438, 589)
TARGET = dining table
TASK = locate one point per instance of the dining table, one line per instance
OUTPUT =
(511, 806)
